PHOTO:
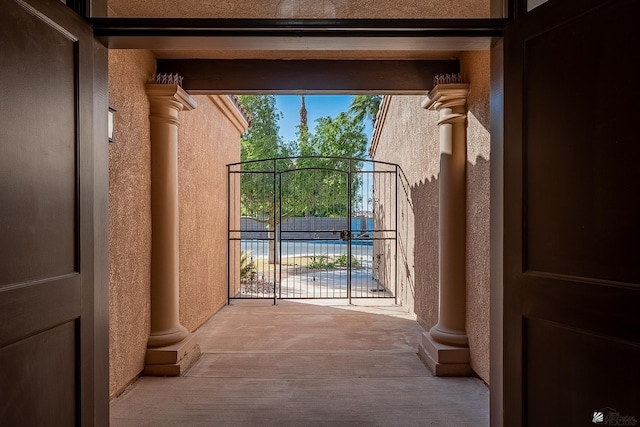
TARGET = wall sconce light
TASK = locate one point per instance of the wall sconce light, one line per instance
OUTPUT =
(110, 123)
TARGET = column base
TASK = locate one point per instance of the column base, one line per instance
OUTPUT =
(444, 360)
(172, 360)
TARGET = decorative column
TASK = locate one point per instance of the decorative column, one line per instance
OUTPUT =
(445, 348)
(170, 348)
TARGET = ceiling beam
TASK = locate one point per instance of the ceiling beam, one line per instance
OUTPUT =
(307, 76)
(297, 34)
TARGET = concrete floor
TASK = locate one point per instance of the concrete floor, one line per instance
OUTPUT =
(306, 364)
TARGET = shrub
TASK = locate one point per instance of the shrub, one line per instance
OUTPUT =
(319, 262)
(342, 261)
(247, 266)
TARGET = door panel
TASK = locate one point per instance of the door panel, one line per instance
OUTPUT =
(571, 278)
(43, 365)
(573, 373)
(46, 216)
(576, 80)
(38, 165)
(36, 306)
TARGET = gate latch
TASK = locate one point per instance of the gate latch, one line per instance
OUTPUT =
(345, 235)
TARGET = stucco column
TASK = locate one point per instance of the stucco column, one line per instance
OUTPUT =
(446, 344)
(167, 336)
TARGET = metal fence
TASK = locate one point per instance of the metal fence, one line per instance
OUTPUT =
(312, 227)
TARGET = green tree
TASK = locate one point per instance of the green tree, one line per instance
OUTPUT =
(339, 136)
(318, 187)
(319, 190)
(259, 142)
(365, 107)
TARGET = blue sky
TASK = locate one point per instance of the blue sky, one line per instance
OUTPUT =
(317, 106)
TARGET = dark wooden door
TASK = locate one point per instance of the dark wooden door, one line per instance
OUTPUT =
(47, 200)
(572, 214)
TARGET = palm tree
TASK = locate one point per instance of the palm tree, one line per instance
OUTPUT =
(304, 126)
(365, 107)
(303, 112)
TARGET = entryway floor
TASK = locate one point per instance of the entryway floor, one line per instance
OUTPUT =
(306, 363)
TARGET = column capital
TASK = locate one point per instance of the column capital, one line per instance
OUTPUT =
(173, 95)
(447, 96)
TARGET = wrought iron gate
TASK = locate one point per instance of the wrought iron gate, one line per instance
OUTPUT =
(312, 227)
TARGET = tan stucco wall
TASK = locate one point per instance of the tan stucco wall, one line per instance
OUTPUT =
(208, 140)
(302, 8)
(406, 139)
(129, 216)
(409, 136)
(475, 65)
(205, 148)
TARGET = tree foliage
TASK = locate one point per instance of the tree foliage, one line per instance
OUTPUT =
(321, 183)
(365, 107)
(260, 141)
(316, 184)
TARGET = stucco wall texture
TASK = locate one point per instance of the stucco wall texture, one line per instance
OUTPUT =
(205, 148)
(302, 8)
(208, 140)
(410, 137)
(475, 65)
(129, 216)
